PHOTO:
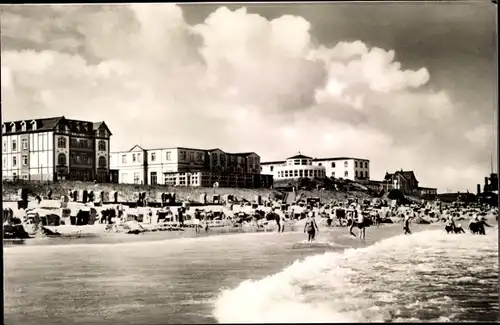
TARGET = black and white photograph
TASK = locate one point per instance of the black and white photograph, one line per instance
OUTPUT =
(260, 162)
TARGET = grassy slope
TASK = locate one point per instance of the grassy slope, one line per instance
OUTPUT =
(9, 191)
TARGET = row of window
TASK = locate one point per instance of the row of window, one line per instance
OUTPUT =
(24, 161)
(346, 164)
(24, 145)
(301, 173)
(183, 156)
(75, 143)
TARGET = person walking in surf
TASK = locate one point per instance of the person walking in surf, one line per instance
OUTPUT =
(359, 221)
(310, 227)
(406, 224)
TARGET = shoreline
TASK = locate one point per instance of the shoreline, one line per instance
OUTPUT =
(339, 235)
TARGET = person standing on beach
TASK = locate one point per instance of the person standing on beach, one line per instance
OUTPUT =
(311, 227)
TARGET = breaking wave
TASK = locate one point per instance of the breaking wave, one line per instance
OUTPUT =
(428, 276)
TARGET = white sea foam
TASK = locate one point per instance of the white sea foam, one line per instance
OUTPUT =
(377, 283)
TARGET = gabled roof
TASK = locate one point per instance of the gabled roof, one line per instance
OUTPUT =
(407, 175)
(136, 146)
(98, 125)
(299, 156)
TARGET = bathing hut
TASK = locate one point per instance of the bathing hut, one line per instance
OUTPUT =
(93, 216)
(135, 215)
(216, 199)
(64, 201)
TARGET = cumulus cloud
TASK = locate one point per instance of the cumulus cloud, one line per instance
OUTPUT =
(237, 81)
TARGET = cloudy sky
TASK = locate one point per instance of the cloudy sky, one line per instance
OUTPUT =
(408, 86)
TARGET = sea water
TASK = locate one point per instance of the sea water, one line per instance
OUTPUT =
(259, 277)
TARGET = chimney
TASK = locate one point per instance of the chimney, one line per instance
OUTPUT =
(478, 189)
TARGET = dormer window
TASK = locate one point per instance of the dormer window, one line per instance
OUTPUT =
(23, 126)
(12, 127)
(33, 125)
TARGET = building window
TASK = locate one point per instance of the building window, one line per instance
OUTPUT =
(139, 157)
(346, 174)
(24, 144)
(154, 178)
(167, 155)
(356, 172)
(333, 174)
(366, 164)
(136, 178)
(4, 145)
(286, 173)
(102, 162)
(33, 125)
(61, 159)
(272, 167)
(124, 159)
(183, 155)
(295, 173)
(102, 145)
(23, 126)
(14, 145)
(153, 156)
(102, 133)
(61, 142)
(25, 160)
(320, 164)
(296, 162)
(191, 156)
(133, 157)
(355, 164)
(333, 165)
(301, 173)
(14, 161)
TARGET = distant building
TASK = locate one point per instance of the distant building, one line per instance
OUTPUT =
(354, 169)
(180, 166)
(406, 182)
(56, 148)
(491, 183)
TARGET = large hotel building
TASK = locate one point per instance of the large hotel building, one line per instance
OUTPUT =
(51, 149)
(180, 166)
(299, 166)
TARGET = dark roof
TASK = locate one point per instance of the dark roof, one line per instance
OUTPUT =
(272, 162)
(299, 156)
(42, 124)
(373, 182)
(184, 148)
(427, 188)
(98, 125)
(407, 175)
(47, 124)
(339, 158)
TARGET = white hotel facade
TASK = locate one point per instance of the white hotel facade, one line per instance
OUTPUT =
(180, 166)
(301, 166)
